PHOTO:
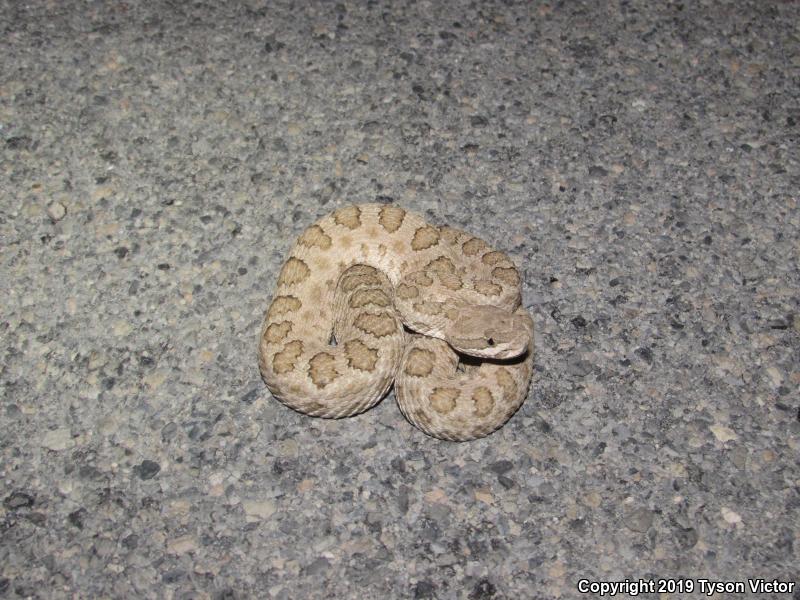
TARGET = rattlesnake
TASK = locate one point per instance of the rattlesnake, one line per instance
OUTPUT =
(372, 294)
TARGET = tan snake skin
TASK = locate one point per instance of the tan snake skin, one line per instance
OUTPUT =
(333, 340)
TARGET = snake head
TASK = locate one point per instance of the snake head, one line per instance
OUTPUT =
(489, 332)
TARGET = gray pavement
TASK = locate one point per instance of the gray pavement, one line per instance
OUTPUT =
(638, 160)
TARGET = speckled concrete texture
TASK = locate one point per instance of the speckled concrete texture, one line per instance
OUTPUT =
(638, 160)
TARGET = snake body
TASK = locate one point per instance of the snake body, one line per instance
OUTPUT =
(372, 295)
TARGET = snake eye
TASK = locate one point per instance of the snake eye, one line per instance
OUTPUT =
(490, 341)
